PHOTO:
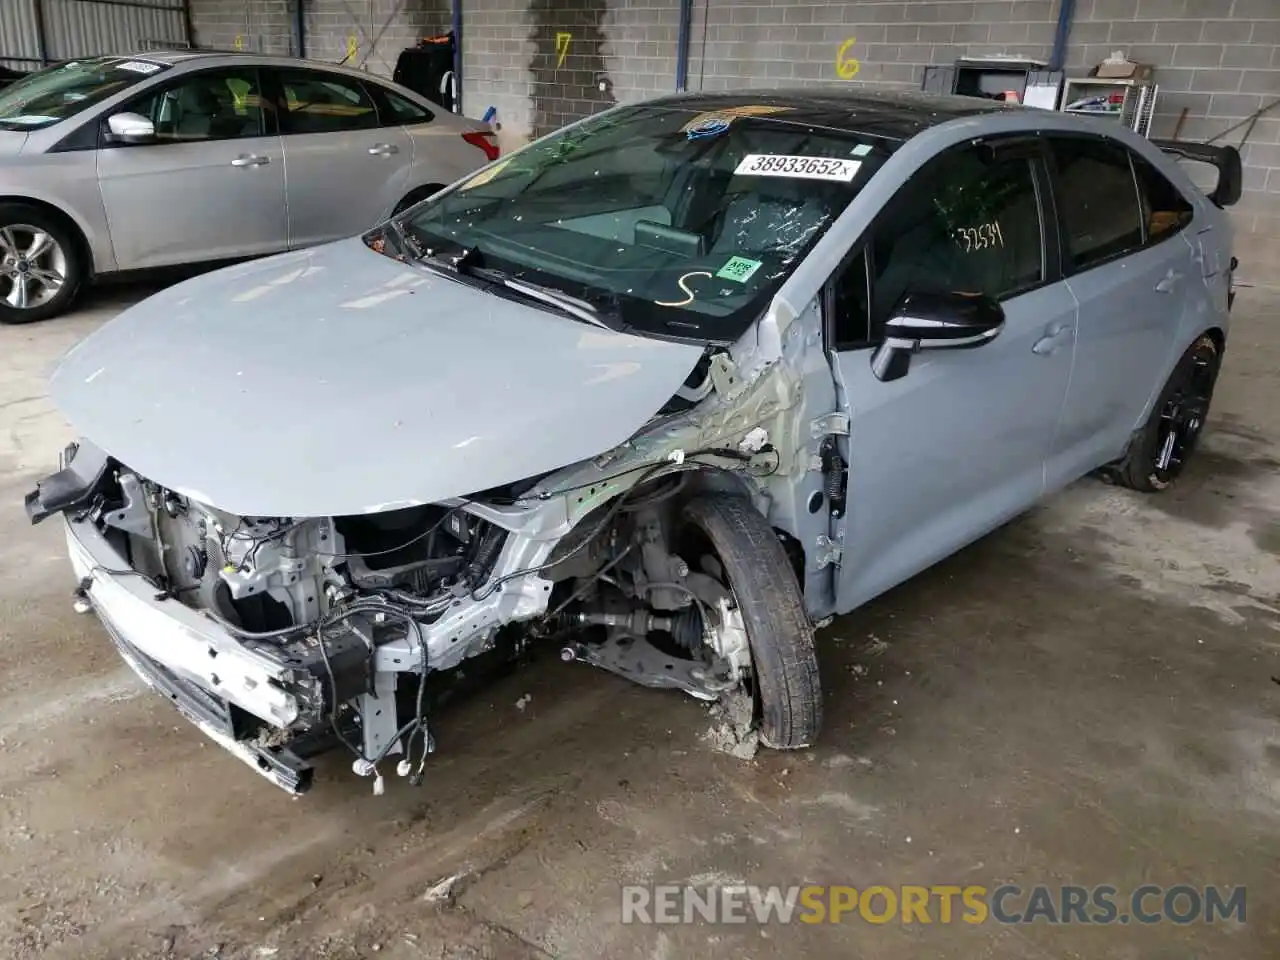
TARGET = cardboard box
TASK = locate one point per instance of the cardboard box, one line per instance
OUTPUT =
(1124, 70)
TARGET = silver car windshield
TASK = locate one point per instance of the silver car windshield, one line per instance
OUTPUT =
(61, 91)
(673, 223)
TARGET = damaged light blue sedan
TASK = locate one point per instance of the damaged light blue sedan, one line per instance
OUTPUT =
(662, 390)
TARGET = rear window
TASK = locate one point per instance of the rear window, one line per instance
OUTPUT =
(1098, 199)
(681, 224)
(48, 96)
(325, 103)
(1164, 210)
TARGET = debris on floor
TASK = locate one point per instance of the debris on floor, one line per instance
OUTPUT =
(731, 730)
(524, 701)
(442, 892)
(874, 646)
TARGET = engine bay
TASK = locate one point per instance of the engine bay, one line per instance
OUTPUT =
(358, 613)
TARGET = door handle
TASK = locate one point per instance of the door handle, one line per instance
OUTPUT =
(250, 160)
(383, 149)
(1169, 282)
(1057, 335)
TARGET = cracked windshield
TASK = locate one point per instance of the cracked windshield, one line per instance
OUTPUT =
(660, 220)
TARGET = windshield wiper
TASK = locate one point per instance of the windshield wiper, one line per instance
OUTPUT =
(466, 263)
(456, 267)
(408, 245)
(562, 301)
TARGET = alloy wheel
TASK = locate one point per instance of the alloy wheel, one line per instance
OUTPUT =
(1182, 419)
(33, 266)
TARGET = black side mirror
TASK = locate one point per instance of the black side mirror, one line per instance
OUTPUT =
(935, 321)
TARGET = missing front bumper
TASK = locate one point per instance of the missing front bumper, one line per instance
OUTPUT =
(233, 694)
(216, 718)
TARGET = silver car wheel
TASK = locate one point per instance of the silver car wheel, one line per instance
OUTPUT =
(33, 266)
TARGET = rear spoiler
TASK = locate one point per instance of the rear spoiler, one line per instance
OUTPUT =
(1225, 158)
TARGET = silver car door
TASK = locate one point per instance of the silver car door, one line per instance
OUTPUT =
(345, 170)
(208, 185)
(1129, 270)
(958, 445)
(446, 148)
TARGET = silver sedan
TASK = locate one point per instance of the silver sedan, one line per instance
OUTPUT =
(116, 164)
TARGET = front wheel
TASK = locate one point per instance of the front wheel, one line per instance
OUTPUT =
(417, 195)
(1159, 451)
(784, 676)
(40, 264)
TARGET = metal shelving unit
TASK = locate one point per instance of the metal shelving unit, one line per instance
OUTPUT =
(1129, 102)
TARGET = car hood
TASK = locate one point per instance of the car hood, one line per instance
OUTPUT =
(337, 381)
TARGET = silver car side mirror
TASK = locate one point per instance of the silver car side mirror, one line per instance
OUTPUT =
(935, 321)
(131, 128)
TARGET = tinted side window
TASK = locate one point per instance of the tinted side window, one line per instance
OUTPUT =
(214, 105)
(966, 222)
(396, 109)
(849, 304)
(1097, 198)
(1165, 210)
(324, 103)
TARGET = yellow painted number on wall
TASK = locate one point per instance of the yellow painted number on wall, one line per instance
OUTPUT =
(239, 41)
(562, 48)
(352, 46)
(847, 67)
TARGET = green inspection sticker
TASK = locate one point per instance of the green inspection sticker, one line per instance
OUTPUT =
(739, 269)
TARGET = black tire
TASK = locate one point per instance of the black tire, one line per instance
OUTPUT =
(1159, 451)
(786, 684)
(14, 217)
(414, 196)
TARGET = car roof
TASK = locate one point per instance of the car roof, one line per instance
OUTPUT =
(230, 57)
(889, 115)
(162, 56)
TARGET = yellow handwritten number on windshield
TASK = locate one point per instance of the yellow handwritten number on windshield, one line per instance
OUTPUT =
(689, 294)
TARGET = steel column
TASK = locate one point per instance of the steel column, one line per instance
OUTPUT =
(1066, 14)
(682, 45)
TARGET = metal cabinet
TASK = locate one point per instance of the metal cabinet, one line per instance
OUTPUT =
(1129, 102)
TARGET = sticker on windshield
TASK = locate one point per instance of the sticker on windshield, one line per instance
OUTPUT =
(739, 269)
(805, 168)
(861, 150)
(138, 66)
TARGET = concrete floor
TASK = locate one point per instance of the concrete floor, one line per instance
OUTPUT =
(1083, 697)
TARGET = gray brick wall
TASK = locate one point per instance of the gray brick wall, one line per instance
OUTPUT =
(379, 31)
(771, 44)
(497, 46)
(511, 57)
(264, 26)
(1218, 59)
